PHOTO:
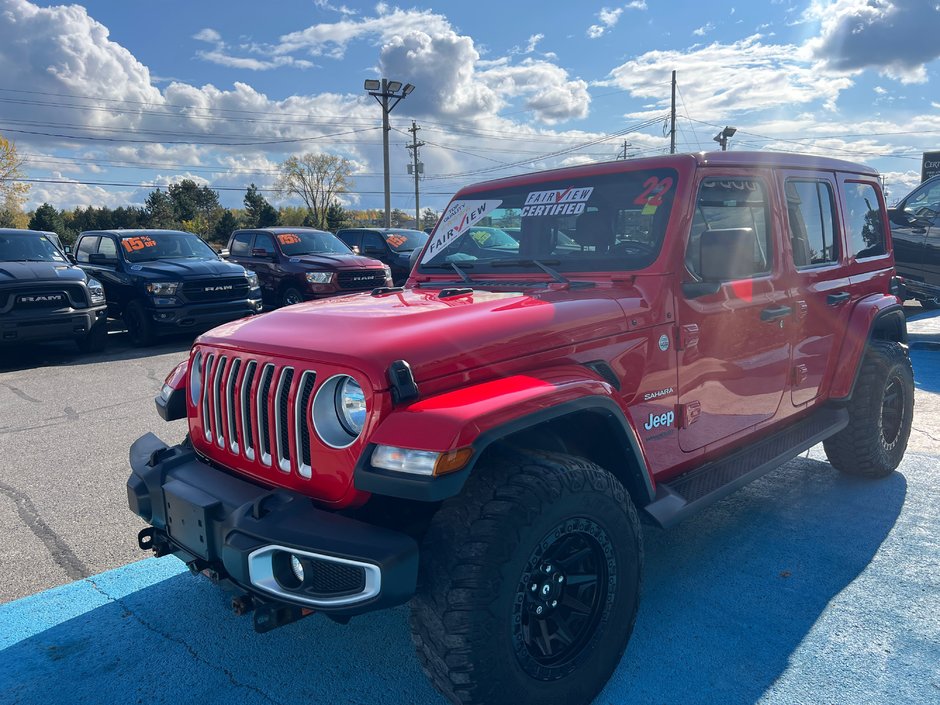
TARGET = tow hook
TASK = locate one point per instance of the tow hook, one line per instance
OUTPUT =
(150, 539)
(272, 616)
(242, 604)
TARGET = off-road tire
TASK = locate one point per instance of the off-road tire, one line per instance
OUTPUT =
(483, 552)
(880, 414)
(289, 296)
(94, 340)
(140, 328)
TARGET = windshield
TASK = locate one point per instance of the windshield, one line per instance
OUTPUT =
(405, 240)
(28, 247)
(145, 247)
(313, 242)
(612, 222)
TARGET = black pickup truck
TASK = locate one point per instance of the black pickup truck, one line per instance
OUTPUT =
(44, 297)
(915, 229)
(165, 281)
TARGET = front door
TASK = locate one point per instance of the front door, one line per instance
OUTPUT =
(734, 349)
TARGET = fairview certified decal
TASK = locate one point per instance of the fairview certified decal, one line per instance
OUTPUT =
(457, 220)
(569, 201)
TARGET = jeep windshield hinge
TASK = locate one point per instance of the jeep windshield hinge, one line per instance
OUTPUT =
(404, 387)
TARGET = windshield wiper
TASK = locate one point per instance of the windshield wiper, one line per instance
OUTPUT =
(457, 267)
(554, 274)
(30, 259)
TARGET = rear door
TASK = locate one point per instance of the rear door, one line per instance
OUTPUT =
(818, 277)
(734, 344)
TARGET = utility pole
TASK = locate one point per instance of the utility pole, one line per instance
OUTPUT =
(382, 91)
(672, 117)
(417, 167)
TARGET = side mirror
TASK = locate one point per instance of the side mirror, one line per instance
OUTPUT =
(262, 253)
(730, 253)
(98, 258)
(68, 249)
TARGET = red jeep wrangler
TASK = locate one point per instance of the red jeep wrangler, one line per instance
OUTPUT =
(482, 441)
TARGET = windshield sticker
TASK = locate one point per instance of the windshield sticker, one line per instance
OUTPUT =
(566, 201)
(457, 220)
(288, 239)
(396, 240)
(652, 197)
(133, 244)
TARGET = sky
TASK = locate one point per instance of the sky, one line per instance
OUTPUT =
(106, 101)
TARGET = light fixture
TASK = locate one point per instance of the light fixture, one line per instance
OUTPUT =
(372, 84)
(407, 89)
(394, 86)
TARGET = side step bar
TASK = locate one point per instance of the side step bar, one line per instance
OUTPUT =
(695, 490)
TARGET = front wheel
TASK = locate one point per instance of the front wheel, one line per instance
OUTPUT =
(140, 327)
(529, 583)
(880, 414)
(291, 296)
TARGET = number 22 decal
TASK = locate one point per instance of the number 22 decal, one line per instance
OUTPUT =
(653, 191)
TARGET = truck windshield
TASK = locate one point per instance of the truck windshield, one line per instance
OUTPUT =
(28, 247)
(146, 247)
(311, 243)
(610, 222)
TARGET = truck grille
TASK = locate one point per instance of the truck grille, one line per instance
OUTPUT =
(40, 297)
(208, 290)
(258, 411)
(361, 279)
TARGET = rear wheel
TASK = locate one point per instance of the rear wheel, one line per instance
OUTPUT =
(291, 296)
(880, 414)
(529, 583)
(139, 326)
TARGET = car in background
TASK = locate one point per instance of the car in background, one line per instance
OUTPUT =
(393, 246)
(166, 281)
(43, 296)
(296, 264)
(915, 229)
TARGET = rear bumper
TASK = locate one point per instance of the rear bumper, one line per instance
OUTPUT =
(173, 318)
(50, 325)
(244, 534)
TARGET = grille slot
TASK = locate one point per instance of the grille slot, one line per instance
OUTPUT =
(301, 426)
(281, 427)
(207, 290)
(231, 404)
(264, 425)
(245, 405)
(206, 385)
(217, 401)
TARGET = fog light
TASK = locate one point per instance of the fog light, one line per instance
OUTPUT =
(297, 568)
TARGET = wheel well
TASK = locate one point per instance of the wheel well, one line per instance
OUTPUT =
(594, 435)
(890, 326)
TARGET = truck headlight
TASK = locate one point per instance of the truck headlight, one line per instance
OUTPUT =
(95, 291)
(252, 280)
(388, 275)
(319, 277)
(339, 411)
(163, 288)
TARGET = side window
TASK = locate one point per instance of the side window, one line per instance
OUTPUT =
(108, 248)
(372, 242)
(924, 203)
(241, 245)
(738, 208)
(264, 241)
(85, 248)
(863, 224)
(350, 237)
(812, 223)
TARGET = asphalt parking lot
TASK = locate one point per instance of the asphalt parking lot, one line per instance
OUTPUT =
(804, 587)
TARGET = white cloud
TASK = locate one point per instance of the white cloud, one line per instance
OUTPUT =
(533, 42)
(704, 29)
(208, 35)
(636, 5)
(607, 18)
(895, 37)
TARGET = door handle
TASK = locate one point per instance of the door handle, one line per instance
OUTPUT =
(775, 314)
(836, 299)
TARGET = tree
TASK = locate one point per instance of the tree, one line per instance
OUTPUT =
(428, 219)
(336, 217)
(400, 219)
(159, 209)
(317, 179)
(224, 227)
(258, 212)
(12, 192)
(196, 205)
(47, 218)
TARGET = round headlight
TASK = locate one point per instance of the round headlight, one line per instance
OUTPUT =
(351, 406)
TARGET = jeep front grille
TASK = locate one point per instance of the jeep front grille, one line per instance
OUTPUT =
(258, 410)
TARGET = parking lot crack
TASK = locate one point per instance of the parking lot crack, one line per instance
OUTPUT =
(62, 554)
(21, 394)
(933, 438)
(190, 649)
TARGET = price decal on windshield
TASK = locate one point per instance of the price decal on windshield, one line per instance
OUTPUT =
(288, 239)
(396, 240)
(133, 244)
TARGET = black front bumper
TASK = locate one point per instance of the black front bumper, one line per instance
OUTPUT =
(200, 316)
(20, 327)
(237, 531)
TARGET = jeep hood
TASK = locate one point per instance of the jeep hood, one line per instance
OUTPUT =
(186, 268)
(34, 272)
(436, 336)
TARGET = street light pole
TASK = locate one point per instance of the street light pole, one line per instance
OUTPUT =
(382, 91)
